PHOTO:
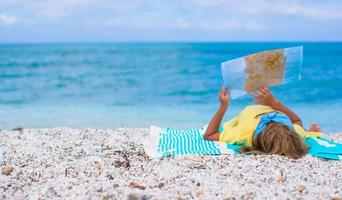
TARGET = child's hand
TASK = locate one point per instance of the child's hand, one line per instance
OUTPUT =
(263, 96)
(315, 128)
(224, 96)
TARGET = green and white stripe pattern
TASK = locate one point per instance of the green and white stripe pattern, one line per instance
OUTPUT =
(171, 142)
(176, 142)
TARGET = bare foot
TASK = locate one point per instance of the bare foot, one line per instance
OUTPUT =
(315, 128)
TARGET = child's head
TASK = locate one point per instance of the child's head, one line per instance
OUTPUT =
(278, 139)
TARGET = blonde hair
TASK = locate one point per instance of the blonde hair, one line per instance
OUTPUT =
(277, 139)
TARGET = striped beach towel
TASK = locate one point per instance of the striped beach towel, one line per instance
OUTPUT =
(171, 142)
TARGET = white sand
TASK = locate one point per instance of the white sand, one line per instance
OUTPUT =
(65, 163)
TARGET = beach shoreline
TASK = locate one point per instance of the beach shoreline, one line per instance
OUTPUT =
(66, 163)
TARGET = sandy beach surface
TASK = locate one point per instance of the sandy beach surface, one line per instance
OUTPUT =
(64, 163)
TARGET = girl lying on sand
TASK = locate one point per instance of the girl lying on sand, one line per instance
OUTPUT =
(269, 127)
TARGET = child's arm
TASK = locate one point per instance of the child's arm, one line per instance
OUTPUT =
(265, 97)
(212, 132)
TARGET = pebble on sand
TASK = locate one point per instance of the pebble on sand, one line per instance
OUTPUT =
(137, 185)
(7, 170)
(20, 129)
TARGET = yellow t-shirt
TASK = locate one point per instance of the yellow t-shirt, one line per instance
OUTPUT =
(240, 129)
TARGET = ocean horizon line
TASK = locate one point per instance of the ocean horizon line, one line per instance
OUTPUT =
(160, 42)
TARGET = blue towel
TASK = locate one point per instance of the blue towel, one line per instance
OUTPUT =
(174, 142)
(324, 148)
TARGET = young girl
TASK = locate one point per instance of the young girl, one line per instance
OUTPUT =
(269, 127)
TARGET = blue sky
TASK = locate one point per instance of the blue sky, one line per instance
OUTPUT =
(172, 20)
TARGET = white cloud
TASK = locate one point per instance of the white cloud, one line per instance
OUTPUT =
(254, 26)
(182, 24)
(54, 9)
(8, 20)
(290, 8)
(64, 8)
(315, 10)
(208, 3)
(323, 14)
(230, 25)
(206, 15)
(177, 24)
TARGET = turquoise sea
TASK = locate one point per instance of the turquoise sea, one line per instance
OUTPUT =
(114, 85)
